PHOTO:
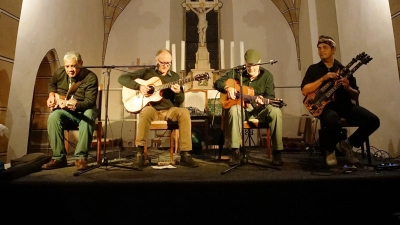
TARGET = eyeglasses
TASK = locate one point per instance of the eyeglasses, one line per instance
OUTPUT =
(165, 63)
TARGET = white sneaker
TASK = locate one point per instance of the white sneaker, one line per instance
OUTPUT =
(331, 159)
(347, 150)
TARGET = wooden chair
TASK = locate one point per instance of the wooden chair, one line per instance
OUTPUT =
(98, 130)
(256, 124)
(174, 137)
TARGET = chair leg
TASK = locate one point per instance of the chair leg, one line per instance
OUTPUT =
(98, 136)
(368, 149)
(66, 143)
(269, 142)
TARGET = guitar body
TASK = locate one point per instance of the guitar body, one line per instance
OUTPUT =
(60, 101)
(315, 102)
(134, 101)
(226, 102)
(248, 96)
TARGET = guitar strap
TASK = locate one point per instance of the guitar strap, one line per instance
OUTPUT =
(73, 88)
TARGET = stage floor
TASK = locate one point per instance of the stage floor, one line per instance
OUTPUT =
(302, 191)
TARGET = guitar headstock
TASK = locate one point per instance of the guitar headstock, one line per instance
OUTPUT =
(366, 60)
(277, 102)
(202, 76)
(361, 56)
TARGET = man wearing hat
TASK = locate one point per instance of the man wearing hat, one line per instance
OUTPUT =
(262, 81)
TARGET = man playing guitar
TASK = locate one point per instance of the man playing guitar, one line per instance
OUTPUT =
(261, 82)
(341, 106)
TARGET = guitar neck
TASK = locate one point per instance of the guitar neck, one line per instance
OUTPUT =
(168, 85)
(347, 75)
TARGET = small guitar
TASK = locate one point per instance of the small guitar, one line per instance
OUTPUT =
(134, 101)
(248, 96)
(315, 102)
(61, 101)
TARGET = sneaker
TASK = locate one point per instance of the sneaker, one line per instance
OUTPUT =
(347, 150)
(235, 158)
(331, 159)
(187, 160)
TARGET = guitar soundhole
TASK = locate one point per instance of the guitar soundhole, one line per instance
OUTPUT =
(151, 91)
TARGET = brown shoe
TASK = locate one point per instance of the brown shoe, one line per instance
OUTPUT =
(81, 164)
(55, 164)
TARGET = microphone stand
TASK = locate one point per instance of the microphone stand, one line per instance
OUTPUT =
(104, 161)
(244, 160)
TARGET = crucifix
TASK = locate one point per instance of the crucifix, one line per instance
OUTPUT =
(201, 8)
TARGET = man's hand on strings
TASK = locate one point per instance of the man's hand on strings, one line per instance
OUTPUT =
(176, 88)
(144, 90)
(231, 92)
(260, 100)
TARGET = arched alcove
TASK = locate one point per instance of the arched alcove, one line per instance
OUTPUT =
(38, 139)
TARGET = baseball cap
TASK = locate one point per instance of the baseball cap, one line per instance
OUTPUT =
(252, 56)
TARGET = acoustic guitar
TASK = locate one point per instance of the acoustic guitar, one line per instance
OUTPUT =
(134, 101)
(315, 102)
(248, 96)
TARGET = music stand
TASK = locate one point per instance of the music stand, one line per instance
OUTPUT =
(244, 160)
(104, 161)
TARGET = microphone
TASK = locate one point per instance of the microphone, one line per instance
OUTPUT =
(272, 62)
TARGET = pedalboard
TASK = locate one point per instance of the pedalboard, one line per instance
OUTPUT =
(383, 167)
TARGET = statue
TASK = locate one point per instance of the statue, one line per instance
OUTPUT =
(203, 24)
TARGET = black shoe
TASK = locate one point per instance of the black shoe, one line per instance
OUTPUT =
(235, 158)
(187, 160)
(137, 163)
(277, 158)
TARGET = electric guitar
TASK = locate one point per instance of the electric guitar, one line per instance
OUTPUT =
(248, 96)
(316, 101)
(134, 101)
(61, 101)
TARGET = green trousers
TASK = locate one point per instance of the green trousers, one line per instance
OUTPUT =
(233, 124)
(60, 120)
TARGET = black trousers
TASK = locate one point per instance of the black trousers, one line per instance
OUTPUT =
(366, 121)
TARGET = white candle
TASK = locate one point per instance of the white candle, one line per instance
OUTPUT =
(221, 43)
(232, 54)
(183, 55)
(167, 45)
(173, 58)
(241, 53)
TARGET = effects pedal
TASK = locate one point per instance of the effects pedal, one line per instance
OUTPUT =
(385, 166)
(348, 169)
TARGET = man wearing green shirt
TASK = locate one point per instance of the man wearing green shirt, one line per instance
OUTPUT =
(79, 110)
(262, 81)
(166, 109)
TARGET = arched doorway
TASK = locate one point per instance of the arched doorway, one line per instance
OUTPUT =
(38, 138)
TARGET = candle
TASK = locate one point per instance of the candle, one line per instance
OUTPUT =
(222, 54)
(167, 45)
(232, 54)
(241, 53)
(183, 56)
(173, 57)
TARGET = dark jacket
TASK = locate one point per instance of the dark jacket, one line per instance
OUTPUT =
(86, 94)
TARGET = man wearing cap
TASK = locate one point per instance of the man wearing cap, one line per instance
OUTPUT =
(262, 81)
(327, 70)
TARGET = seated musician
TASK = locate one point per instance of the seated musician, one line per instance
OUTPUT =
(165, 107)
(81, 86)
(262, 81)
(328, 70)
